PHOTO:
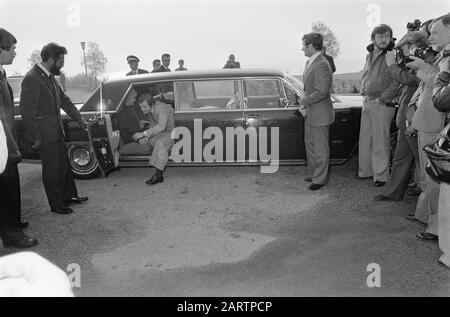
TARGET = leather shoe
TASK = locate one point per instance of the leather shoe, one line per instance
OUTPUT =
(379, 184)
(412, 217)
(23, 225)
(75, 200)
(381, 198)
(155, 180)
(362, 177)
(62, 210)
(21, 242)
(308, 179)
(442, 264)
(427, 236)
(416, 191)
(314, 186)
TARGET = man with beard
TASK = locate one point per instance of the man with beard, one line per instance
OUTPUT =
(377, 111)
(40, 102)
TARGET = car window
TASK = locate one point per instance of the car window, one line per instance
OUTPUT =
(208, 95)
(291, 95)
(262, 93)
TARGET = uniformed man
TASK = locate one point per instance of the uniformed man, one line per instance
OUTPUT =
(133, 61)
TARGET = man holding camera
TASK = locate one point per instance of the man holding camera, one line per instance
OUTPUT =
(428, 121)
(406, 151)
(378, 109)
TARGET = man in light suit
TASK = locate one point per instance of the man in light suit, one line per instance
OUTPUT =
(317, 106)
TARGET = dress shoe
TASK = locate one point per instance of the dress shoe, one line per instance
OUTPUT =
(308, 179)
(21, 242)
(412, 217)
(426, 236)
(362, 177)
(314, 186)
(23, 225)
(75, 200)
(442, 264)
(379, 184)
(381, 198)
(416, 191)
(62, 210)
(155, 180)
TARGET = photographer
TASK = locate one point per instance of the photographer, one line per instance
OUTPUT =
(441, 101)
(406, 152)
(429, 122)
(378, 110)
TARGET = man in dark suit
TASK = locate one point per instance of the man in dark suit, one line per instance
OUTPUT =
(133, 62)
(10, 201)
(232, 63)
(317, 106)
(165, 58)
(41, 101)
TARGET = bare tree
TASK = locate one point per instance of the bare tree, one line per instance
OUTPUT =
(95, 59)
(34, 58)
(329, 39)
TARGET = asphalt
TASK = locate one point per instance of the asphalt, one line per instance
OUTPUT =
(232, 231)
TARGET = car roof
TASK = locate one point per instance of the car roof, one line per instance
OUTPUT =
(114, 89)
(204, 74)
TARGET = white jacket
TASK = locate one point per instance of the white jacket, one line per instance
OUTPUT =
(3, 149)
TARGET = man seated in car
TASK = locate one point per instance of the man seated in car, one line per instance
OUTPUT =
(159, 108)
(130, 121)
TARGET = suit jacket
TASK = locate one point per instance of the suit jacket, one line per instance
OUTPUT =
(139, 71)
(128, 123)
(40, 102)
(7, 114)
(231, 64)
(162, 69)
(317, 84)
(164, 117)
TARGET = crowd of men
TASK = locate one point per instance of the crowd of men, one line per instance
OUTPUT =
(411, 75)
(162, 65)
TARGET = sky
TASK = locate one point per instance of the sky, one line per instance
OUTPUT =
(261, 34)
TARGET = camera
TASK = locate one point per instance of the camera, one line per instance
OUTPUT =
(422, 53)
(413, 26)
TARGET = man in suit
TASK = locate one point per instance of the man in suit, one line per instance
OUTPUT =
(181, 66)
(232, 63)
(133, 62)
(158, 136)
(41, 101)
(10, 201)
(156, 65)
(165, 58)
(317, 106)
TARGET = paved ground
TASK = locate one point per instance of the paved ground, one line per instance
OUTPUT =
(234, 232)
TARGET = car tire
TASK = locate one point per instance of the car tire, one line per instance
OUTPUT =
(83, 161)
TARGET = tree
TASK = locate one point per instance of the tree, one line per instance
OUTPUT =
(95, 59)
(329, 39)
(34, 58)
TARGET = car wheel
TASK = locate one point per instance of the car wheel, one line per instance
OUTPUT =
(83, 161)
